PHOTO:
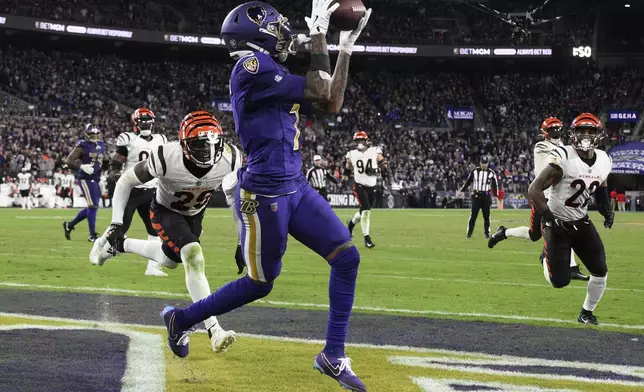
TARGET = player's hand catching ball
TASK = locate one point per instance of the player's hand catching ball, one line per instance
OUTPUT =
(239, 259)
(116, 236)
(609, 219)
(320, 16)
(349, 38)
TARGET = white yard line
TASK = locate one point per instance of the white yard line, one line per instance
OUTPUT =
(472, 281)
(326, 306)
(145, 368)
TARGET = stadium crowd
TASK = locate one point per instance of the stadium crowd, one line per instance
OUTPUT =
(405, 113)
(405, 22)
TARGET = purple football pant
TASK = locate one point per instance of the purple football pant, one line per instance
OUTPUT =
(92, 193)
(267, 222)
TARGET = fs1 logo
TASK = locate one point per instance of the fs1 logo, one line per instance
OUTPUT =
(582, 51)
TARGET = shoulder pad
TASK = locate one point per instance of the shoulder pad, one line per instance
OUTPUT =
(124, 139)
(543, 147)
(558, 156)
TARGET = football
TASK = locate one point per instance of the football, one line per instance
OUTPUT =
(348, 15)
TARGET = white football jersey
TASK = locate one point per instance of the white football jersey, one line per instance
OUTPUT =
(57, 178)
(570, 198)
(24, 181)
(178, 189)
(138, 149)
(363, 160)
(67, 181)
(541, 152)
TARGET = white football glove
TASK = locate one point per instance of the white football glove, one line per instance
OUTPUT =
(87, 168)
(320, 16)
(349, 38)
(302, 39)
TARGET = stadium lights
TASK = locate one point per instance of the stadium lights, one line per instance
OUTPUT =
(627, 5)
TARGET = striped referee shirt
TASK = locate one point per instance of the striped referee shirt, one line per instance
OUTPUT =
(317, 176)
(481, 181)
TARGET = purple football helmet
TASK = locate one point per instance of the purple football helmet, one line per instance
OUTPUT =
(257, 26)
(92, 133)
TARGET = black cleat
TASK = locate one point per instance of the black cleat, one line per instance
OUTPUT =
(498, 236)
(576, 274)
(487, 236)
(93, 237)
(469, 236)
(368, 243)
(68, 230)
(350, 226)
(542, 257)
(587, 317)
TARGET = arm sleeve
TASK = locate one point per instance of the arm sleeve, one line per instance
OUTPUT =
(123, 140)
(156, 163)
(495, 185)
(540, 158)
(467, 182)
(122, 193)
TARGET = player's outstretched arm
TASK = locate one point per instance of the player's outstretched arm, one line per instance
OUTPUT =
(73, 159)
(550, 176)
(318, 78)
(341, 72)
(138, 175)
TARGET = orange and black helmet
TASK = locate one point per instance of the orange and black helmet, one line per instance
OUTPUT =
(552, 128)
(586, 132)
(361, 139)
(201, 138)
(142, 121)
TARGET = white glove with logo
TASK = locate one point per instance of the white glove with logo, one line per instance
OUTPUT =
(320, 16)
(349, 38)
(87, 168)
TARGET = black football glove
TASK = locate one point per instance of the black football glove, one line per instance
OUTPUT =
(609, 219)
(556, 224)
(116, 236)
(239, 259)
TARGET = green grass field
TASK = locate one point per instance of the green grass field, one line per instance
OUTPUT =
(422, 266)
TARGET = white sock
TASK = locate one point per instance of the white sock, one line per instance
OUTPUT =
(23, 202)
(546, 272)
(365, 222)
(148, 249)
(196, 282)
(519, 232)
(356, 218)
(152, 263)
(573, 263)
(595, 290)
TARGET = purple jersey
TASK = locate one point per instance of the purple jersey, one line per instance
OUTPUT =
(266, 102)
(93, 153)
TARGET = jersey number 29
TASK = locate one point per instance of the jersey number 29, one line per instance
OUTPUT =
(186, 199)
